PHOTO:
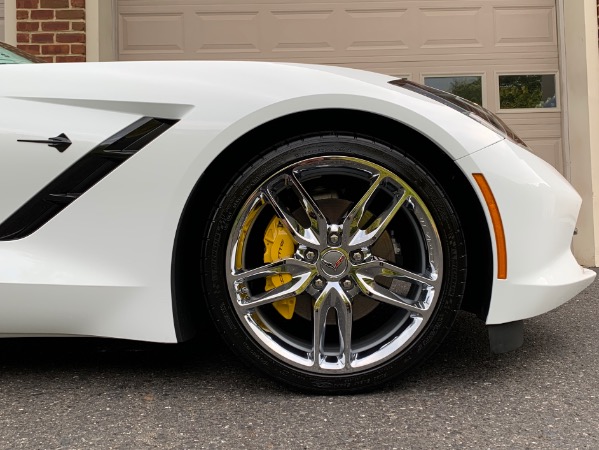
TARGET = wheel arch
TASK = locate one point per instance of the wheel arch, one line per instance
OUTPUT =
(190, 313)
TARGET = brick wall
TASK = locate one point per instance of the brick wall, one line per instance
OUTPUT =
(52, 29)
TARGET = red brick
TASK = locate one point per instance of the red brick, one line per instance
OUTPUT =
(42, 38)
(70, 14)
(28, 26)
(56, 26)
(78, 26)
(55, 49)
(77, 3)
(55, 3)
(49, 59)
(22, 14)
(70, 38)
(33, 49)
(42, 14)
(78, 49)
(61, 59)
(28, 4)
(23, 38)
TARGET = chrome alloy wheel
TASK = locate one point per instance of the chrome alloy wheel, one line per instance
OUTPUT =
(363, 274)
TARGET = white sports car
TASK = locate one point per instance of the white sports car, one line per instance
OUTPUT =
(330, 221)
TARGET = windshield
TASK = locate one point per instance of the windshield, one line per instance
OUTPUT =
(11, 55)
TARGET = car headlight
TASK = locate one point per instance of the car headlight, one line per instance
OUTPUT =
(472, 110)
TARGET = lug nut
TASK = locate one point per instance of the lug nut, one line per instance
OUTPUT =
(334, 238)
(357, 256)
(244, 290)
(310, 255)
(318, 283)
(347, 284)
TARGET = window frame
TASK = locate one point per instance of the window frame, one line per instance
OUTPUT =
(558, 103)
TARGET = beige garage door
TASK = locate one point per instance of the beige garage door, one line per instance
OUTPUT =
(501, 53)
(1, 20)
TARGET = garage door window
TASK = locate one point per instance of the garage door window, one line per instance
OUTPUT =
(527, 91)
(468, 87)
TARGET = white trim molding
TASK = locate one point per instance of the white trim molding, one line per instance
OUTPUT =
(10, 22)
(581, 64)
(101, 39)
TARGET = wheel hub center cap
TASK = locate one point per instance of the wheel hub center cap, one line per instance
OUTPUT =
(333, 264)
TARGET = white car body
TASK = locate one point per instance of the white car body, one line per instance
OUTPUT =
(102, 266)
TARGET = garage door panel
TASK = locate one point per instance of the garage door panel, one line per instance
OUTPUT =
(268, 31)
(377, 29)
(445, 59)
(290, 30)
(154, 33)
(525, 26)
(536, 119)
(453, 27)
(225, 32)
(295, 30)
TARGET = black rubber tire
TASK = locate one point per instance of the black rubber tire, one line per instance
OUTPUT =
(227, 206)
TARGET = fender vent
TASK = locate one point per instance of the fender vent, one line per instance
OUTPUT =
(81, 176)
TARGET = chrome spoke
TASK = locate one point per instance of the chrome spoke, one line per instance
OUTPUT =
(344, 321)
(301, 274)
(356, 237)
(291, 266)
(295, 287)
(313, 236)
(333, 297)
(384, 268)
(365, 276)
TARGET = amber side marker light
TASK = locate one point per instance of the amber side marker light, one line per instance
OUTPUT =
(497, 224)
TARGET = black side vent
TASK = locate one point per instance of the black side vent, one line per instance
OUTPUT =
(81, 176)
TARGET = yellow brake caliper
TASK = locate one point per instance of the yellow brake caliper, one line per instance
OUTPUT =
(279, 245)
